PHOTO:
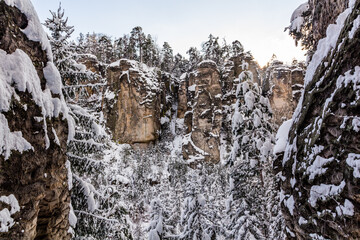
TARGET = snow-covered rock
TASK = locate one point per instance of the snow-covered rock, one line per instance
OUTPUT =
(34, 193)
(320, 165)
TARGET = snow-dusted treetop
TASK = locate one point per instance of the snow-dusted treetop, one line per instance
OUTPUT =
(297, 18)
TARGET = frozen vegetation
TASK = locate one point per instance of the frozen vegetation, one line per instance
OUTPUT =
(122, 191)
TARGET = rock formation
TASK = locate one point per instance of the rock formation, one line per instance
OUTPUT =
(320, 187)
(203, 139)
(135, 115)
(283, 85)
(34, 189)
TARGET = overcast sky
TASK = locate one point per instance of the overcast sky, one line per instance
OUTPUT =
(257, 24)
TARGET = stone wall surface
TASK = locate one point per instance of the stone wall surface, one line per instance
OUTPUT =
(34, 186)
(320, 174)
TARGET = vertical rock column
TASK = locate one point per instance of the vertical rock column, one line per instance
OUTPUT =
(320, 175)
(34, 190)
(134, 118)
(203, 142)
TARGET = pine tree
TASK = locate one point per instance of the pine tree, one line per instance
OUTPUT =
(236, 48)
(252, 146)
(120, 47)
(167, 58)
(137, 37)
(212, 50)
(104, 49)
(156, 230)
(66, 56)
(225, 51)
(194, 58)
(59, 40)
(181, 65)
(151, 54)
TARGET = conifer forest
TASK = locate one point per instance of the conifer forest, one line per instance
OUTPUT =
(123, 138)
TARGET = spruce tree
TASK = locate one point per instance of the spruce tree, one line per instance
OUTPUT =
(211, 49)
(59, 40)
(167, 58)
(194, 58)
(236, 48)
(252, 146)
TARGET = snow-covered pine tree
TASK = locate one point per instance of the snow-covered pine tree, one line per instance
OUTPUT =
(65, 54)
(59, 40)
(137, 37)
(236, 48)
(252, 146)
(167, 58)
(199, 218)
(156, 231)
(211, 49)
(191, 216)
(105, 49)
(225, 50)
(120, 45)
(99, 214)
(181, 65)
(194, 58)
(151, 53)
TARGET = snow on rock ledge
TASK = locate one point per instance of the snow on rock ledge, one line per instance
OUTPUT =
(320, 165)
(33, 130)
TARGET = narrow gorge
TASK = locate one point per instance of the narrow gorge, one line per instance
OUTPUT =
(123, 139)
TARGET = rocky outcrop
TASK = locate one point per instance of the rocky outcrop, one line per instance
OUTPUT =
(206, 99)
(34, 190)
(283, 85)
(134, 116)
(203, 139)
(320, 187)
(323, 13)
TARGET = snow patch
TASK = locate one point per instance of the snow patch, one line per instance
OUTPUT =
(353, 160)
(317, 167)
(34, 30)
(282, 136)
(324, 191)
(6, 221)
(347, 209)
(11, 140)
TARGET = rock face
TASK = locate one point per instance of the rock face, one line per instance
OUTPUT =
(320, 187)
(34, 191)
(206, 100)
(323, 13)
(203, 139)
(141, 101)
(283, 85)
(136, 112)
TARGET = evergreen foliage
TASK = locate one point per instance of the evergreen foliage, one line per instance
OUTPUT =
(249, 160)
(121, 193)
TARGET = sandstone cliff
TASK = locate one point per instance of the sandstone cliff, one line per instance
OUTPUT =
(283, 85)
(202, 141)
(137, 99)
(140, 102)
(34, 188)
(320, 186)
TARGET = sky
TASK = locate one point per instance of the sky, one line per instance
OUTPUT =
(258, 24)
